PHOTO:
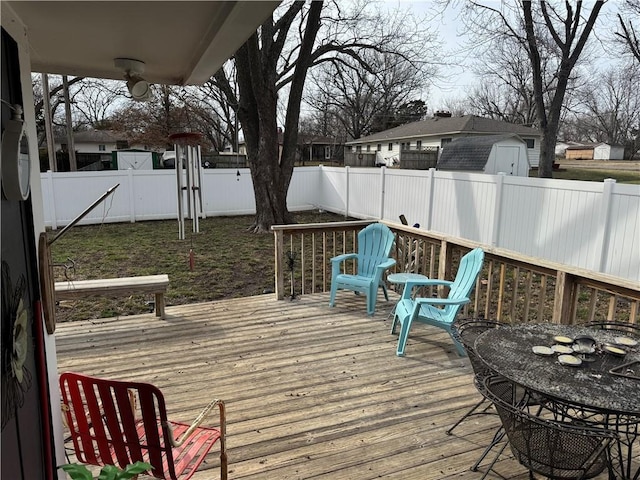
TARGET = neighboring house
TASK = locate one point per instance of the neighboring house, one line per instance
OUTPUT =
(439, 131)
(94, 148)
(316, 148)
(487, 154)
(606, 151)
(96, 141)
(312, 148)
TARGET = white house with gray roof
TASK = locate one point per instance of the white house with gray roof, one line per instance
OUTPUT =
(440, 130)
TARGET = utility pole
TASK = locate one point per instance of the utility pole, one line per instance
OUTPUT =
(46, 102)
(73, 165)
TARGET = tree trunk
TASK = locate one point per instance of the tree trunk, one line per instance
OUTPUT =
(549, 115)
(272, 169)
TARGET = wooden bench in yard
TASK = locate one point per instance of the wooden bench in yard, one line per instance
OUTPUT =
(156, 284)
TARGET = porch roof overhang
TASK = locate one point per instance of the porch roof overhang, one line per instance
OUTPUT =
(180, 42)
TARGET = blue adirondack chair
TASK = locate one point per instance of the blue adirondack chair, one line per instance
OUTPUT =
(374, 245)
(439, 312)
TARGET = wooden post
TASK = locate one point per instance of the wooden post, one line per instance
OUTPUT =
(563, 305)
(444, 265)
(279, 253)
(73, 164)
(48, 128)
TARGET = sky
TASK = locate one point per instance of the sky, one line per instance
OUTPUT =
(458, 79)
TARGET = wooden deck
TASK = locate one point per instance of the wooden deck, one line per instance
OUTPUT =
(311, 391)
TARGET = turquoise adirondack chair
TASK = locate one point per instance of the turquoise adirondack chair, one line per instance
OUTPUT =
(439, 312)
(374, 245)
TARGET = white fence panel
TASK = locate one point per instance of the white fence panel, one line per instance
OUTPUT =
(224, 192)
(621, 253)
(557, 219)
(333, 189)
(464, 205)
(66, 195)
(304, 190)
(365, 190)
(153, 195)
(408, 193)
(590, 225)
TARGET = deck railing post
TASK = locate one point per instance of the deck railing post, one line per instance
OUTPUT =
(563, 303)
(444, 265)
(279, 268)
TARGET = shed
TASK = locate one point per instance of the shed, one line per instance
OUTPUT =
(579, 152)
(134, 159)
(606, 151)
(488, 154)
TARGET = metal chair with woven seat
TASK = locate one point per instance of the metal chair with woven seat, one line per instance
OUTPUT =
(101, 417)
(556, 449)
(465, 332)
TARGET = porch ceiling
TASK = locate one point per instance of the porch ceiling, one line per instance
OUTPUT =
(181, 42)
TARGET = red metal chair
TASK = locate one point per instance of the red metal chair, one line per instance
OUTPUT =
(101, 416)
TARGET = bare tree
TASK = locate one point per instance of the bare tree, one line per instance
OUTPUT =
(506, 90)
(611, 109)
(215, 117)
(56, 98)
(541, 29)
(371, 100)
(279, 57)
(150, 123)
(628, 22)
(96, 101)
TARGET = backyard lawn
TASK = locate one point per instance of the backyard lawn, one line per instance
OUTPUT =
(229, 261)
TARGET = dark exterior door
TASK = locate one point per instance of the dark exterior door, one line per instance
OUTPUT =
(23, 411)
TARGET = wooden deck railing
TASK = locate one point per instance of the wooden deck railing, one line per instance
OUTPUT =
(512, 287)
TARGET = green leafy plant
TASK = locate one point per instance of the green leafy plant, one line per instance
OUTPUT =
(108, 472)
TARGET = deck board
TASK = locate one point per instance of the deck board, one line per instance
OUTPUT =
(311, 391)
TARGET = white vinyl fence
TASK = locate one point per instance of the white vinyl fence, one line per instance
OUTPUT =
(589, 225)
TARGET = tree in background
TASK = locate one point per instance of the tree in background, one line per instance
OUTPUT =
(56, 96)
(216, 118)
(150, 123)
(609, 110)
(506, 90)
(95, 102)
(272, 67)
(553, 35)
(628, 23)
(372, 99)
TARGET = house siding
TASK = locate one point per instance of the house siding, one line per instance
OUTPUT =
(533, 154)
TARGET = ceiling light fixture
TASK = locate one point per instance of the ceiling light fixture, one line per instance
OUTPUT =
(139, 88)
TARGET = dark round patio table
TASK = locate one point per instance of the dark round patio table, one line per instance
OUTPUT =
(591, 386)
